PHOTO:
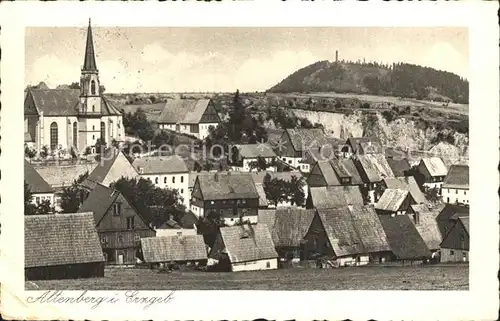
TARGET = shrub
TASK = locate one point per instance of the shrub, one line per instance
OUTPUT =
(365, 105)
(389, 116)
(416, 114)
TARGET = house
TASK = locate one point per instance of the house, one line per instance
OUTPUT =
(334, 172)
(62, 246)
(112, 167)
(242, 157)
(228, 195)
(373, 168)
(400, 166)
(119, 225)
(64, 119)
(448, 216)
(288, 227)
(244, 248)
(404, 239)
(334, 196)
(165, 172)
(424, 219)
(172, 228)
(394, 202)
(294, 143)
(362, 146)
(455, 187)
(189, 116)
(40, 189)
(455, 245)
(433, 170)
(180, 249)
(406, 183)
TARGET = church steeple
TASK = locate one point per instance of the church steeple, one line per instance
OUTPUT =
(89, 61)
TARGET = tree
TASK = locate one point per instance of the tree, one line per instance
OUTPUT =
(29, 152)
(296, 191)
(432, 194)
(29, 208)
(73, 196)
(197, 167)
(100, 145)
(45, 207)
(137, 124)
(153, 202)
(74, 85)
(44, 152)
(260, 164)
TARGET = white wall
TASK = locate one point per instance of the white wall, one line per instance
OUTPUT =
(351, 261)
(297, 163)
(247, 161)
(452, 195)
(198, 211)
(231, 221)
(203, 132)
(167, 181)
(433, 185)
(175, 232)
(38, 198)
(269, 264)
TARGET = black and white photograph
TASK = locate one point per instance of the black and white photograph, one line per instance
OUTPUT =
(250, 158)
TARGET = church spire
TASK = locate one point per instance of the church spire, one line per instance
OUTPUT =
(89, 62)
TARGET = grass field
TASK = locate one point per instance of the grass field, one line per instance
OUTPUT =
(422, 277)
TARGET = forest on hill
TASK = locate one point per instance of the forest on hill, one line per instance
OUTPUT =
(398, 79)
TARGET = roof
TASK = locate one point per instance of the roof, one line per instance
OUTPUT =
(427, 225)
(391, 200)
(375, 167)
(173, 248)
(333, 196)
(262, 194)
(457, 177)
(62, 175)
(89, 61)
(328, 173)
(219, 186)
(369, 145)
(60, 239)
(407, 183)
(290, 226)
(303, 139)
(267, 217)
(465, 222)
(160, 165)
(105, 166)
(37, 184)
(435, 166)
(245, 243)
(340, 231)
(255, 150)
(99, 201)
(369, 228)
(183, 111)
(64, 102)
(28, 138)
(399, 167)
(188, 220)
(445, 216)
(346, 168)
(404, 239)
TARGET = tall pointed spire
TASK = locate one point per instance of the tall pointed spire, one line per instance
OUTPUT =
(89, 62)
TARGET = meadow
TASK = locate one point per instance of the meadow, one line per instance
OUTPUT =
(395, 277)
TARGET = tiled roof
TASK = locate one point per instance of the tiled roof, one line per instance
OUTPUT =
(255, 150)
(404, 239)
(262, 194)
(445, 216)
(28, 138)
(290, 226)
(267, 217)
(183, 111)
(427, 225)
(173, 248)
(369, 145)
(465, 222)
(346, 168)
(246, 243)
(37, 184)
(399, 166)
(457, 177)
(110, 164)
(407, 183)
(61, 176)
(188, 220)
(329, 174)
(160, 165)
(391, 199)
(303, 139)
(89, 60)
(60, 239)
(375, 167)
(435, 166)
(99, 201)
(220, 186)
(333, 196)
(341, 232)
(369, 228)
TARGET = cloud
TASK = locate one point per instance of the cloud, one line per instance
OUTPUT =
(444, 56)
(53, 71)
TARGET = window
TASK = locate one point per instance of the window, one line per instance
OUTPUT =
(156, 180)
(92, 87)
(173, 179)
(130, 223)
(120, 238)
(452, 252)
(111, 128)
(93, 137)
(465, 192)
(290, 161)
(117, 209)
(54, 136)
(75, 134)
(104, 239)
(93, 108)
(268, 264)
(182, 191)
(462, 238)
(137, 237)
(182, 179)
(103, 131)
(38, 200)
(456, 191)
(165, 180)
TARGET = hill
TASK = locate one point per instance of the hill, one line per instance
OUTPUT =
(400, 80)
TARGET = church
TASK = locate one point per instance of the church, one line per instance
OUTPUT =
(65, 119)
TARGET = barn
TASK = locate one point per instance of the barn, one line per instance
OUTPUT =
(62, 246)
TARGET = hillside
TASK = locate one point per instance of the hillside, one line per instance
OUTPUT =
(400, 80)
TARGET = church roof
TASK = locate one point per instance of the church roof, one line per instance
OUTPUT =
(61, 102)
(89, 61)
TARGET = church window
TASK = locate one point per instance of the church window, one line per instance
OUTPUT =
(53, 136)
(93, 127)
(111, 128)
(103, 131)
(93, 108)
(92, 87)
(75, 134)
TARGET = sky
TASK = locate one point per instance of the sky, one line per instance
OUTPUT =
(226, 59)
